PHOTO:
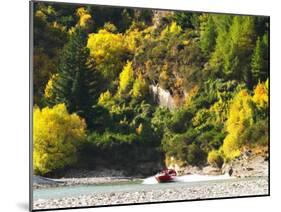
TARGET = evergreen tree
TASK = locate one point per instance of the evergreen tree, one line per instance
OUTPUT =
(260, 60)
(208, 36)
(77, 79)
(234, 45)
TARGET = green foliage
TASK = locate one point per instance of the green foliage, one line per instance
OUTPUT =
(186, 20)
(256, 135)
(179, 121)
(160, 119)
(184, 147)
(259, 63)
(77, 80)
(56, 137)
(208, 35)
(100, 63)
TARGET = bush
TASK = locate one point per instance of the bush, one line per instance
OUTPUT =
(195, 155)
(215, 158)
(255, 135)
(56, 138)
(179, 121)
(184, 147)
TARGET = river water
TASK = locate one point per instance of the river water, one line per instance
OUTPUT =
(147, 184)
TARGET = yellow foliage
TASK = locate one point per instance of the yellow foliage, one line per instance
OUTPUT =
(240, 117)
(188, 99)
(139, 129)
(106, 99)
(172, 29)
(140, 87)
(261, 95)
(49, 87)
(110, 27)
(220, 110)
(40, 14)
(133, 39)
(164, 73)
(105, 46)
(84, 16)
(56, 136)
(215, 158)
(126, 78)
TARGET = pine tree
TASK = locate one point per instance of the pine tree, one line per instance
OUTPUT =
(77, 79)
(208, 36)
(259, 61)
(234, 46)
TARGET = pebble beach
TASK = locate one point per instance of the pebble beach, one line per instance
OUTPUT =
(203, 190)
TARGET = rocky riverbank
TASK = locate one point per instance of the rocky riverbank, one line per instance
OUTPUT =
(248, 164)
(85, 177)
(251, 163)
(241, 187)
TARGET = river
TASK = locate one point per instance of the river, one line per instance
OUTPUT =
(149, 183)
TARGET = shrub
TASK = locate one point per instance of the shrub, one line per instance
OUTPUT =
(195, 155)
(56, 137)
(140, 87)
(255, 135)
(260, 97)
(179, 121)
(215, 158)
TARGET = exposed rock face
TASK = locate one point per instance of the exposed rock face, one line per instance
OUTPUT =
(248, 165)
(162, 96)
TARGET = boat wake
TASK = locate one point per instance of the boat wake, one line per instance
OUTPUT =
(190, 178)
(150, 180)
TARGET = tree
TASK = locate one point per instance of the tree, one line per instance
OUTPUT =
(240, 118)
(56, 137)
(208, 36)
(126, 78)
(77, 81)
(84, 17)
(234, 45)
(260, 97)
(259, 63)
(109, 51)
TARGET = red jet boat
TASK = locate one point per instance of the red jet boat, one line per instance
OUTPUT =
(166, 175)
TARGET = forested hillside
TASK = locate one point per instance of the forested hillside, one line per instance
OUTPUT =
(100, 72)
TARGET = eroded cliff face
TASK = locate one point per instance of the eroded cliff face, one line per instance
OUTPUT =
(162, 97)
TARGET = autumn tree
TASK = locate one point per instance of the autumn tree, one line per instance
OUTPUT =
(109, 51)
(126, 79)
(240, 118)
(57, 136)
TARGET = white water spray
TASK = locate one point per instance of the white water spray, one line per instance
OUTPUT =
(191, 178)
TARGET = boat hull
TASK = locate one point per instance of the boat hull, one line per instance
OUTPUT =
(164, 179)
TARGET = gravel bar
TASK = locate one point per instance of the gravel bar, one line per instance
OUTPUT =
(242, 187)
